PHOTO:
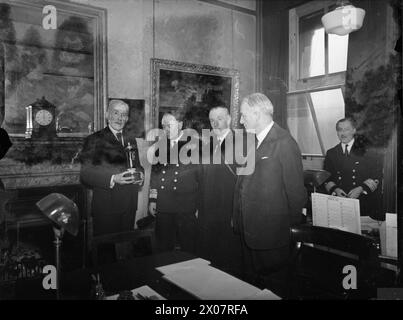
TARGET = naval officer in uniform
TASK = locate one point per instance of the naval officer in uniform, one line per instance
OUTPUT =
(355, 172)
(175, 192)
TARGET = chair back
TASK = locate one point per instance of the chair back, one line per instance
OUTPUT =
(320, 256)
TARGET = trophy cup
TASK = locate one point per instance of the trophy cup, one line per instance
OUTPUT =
(131, 155)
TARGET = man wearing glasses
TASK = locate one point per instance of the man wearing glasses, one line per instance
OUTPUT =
(105, 170)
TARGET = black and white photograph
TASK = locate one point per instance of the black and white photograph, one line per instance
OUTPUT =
(223, 151)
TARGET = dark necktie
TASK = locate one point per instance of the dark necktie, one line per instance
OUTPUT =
(346, 150)
(119, 137)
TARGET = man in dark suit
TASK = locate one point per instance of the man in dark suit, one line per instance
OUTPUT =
(270, 200)
(355, 172)
(175, 190)
(105, 170)
(218, 242)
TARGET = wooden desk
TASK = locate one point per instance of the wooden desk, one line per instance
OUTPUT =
(115, 277)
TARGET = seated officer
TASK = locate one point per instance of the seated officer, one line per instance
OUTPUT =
(355, 173)
(174, 192)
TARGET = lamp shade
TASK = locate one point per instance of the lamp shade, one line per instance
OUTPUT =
(343, 20)
(61, 210)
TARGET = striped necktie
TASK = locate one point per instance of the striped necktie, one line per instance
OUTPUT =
(119, 136)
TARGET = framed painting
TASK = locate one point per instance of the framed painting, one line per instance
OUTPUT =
(135, 126)
(193, 88)
(64, 63)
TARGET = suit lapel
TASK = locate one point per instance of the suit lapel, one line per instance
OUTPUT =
(270, 137)
(112, 139)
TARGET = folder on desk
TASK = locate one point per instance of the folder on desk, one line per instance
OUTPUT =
(208, 283)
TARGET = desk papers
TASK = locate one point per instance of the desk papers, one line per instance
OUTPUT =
(182, 265)
(336, 212)
(144, 291)
(208, 283)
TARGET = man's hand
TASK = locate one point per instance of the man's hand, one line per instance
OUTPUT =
(123, 178)
(141, 181)
(340, 192)
(355, 193)
(152, 208)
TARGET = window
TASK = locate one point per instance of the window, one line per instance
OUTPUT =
(317, 67)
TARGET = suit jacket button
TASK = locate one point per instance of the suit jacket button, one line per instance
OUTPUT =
(353, 177)
(177, 164)
(174, 188)
(175, 180)
(162, 187)
(163, 171)
(353, 183)
(339, 178)
(162, 179)
(176, 172)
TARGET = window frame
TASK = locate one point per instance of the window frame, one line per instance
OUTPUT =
(297, 85)
(295, 82)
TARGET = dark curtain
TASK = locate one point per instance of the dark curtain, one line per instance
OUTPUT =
(372, 92)
(275, 55)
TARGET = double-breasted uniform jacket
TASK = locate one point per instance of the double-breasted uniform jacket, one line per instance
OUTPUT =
(359, 168)
(175, 186)
(102, 156)
(270, 200)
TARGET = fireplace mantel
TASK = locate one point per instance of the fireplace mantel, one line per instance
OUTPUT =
(17, 175)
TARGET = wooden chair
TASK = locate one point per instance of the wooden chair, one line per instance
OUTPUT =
(319, 256)
(93, 242)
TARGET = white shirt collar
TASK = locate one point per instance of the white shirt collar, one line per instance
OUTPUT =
(113, 130)
(350, 144)
(222, 137)
(262, 135)
(176, 139)
(115, 134)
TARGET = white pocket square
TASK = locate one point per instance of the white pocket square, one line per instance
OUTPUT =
(265, 158)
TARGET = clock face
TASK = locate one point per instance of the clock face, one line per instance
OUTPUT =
(43, 117)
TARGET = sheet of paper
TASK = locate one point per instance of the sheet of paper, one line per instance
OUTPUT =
(145, 291)
(391, 235)
(336, 212)
(182, 265)
(264, 294)
(368, 224)
(208, 283)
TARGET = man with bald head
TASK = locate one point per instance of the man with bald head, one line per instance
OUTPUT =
(104, 170)
(218, 242)
(270, 200)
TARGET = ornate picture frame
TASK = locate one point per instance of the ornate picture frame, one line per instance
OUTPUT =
(65, 64)
(195, 87)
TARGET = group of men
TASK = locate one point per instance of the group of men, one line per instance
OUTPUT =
(205, 208)
(240, 222)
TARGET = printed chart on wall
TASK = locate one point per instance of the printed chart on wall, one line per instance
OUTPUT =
(336, 212)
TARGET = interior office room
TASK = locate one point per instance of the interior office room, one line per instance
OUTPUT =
(85, 213)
